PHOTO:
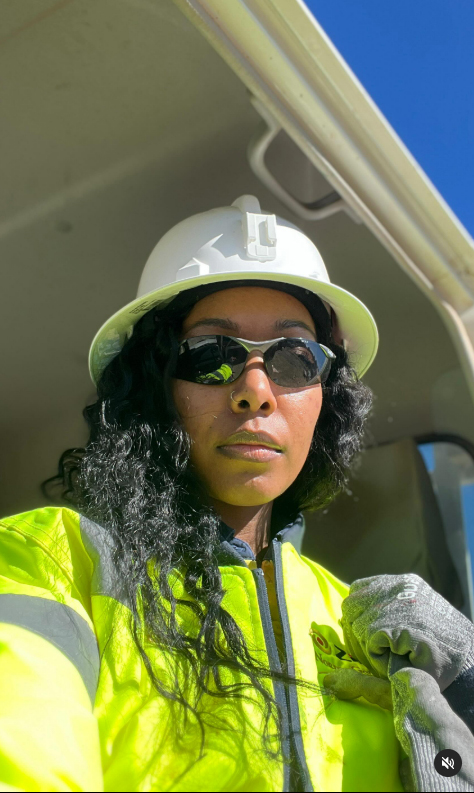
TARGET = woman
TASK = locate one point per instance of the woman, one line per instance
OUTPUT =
(164, 633)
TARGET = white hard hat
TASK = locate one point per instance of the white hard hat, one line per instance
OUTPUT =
(228, 244)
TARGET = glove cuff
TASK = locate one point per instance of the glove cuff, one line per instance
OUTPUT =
(460, 694)
(468, 665)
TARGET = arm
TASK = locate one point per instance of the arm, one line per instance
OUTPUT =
(425, 725)
(424, 722)
(404, 631)
(48, 673)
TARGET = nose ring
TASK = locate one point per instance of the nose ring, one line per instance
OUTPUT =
(232, 398)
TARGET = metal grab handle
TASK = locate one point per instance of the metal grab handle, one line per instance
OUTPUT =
(257, 149)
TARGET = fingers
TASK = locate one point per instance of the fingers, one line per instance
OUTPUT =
(350, 684)
(353, 645)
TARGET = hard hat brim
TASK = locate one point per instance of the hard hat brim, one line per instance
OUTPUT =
(356, 323)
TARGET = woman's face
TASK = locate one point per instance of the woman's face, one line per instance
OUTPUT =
(248, 470)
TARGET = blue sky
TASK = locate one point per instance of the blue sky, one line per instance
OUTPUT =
(416, 60)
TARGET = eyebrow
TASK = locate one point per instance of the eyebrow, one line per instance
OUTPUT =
(284, 324)
(227, 324)
(214, 322)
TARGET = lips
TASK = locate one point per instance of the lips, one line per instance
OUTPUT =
(256, 446)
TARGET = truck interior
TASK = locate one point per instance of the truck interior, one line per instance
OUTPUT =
(119, 120)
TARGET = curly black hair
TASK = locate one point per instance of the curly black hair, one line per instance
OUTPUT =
(135, 479)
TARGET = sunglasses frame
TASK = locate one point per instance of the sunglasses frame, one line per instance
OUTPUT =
(257, 346)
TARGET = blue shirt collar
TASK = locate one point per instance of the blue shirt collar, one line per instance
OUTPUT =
(293, 532)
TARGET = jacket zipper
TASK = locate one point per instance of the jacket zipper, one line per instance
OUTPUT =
(275, 666)
(304, 783)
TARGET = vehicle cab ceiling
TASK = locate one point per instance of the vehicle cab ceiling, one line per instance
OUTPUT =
(118, 121)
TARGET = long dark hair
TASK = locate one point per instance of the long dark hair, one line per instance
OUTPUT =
(134, 478)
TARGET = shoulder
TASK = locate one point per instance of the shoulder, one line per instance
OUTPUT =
(44, 548)
(42, 521)
(54, 529)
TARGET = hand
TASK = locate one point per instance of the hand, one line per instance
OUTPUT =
(401, 615)
(352, 684)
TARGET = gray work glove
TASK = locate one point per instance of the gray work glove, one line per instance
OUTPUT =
(401, 614)
(424, 722)
(425, 725)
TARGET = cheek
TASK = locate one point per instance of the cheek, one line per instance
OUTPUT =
(197, 405)
(301, 413)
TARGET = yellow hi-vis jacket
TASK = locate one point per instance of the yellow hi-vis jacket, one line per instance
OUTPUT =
(78, 710)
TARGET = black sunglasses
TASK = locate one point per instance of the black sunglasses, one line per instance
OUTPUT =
(218, 360)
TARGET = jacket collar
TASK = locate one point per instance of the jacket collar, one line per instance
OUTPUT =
(235, 551)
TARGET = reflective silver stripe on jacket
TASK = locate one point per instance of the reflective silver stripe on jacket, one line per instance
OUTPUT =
(61, 626)
(100, 547)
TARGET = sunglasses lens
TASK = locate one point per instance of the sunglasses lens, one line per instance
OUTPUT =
(210, 360)
(217, 360)
(294, 364)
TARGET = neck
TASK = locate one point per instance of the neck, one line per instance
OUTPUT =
(251, 524)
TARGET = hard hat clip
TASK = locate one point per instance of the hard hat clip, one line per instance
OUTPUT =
(260, 236)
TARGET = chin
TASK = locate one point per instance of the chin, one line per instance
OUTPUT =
(252, 494)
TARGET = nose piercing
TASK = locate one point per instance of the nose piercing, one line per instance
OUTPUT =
(232, 398)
